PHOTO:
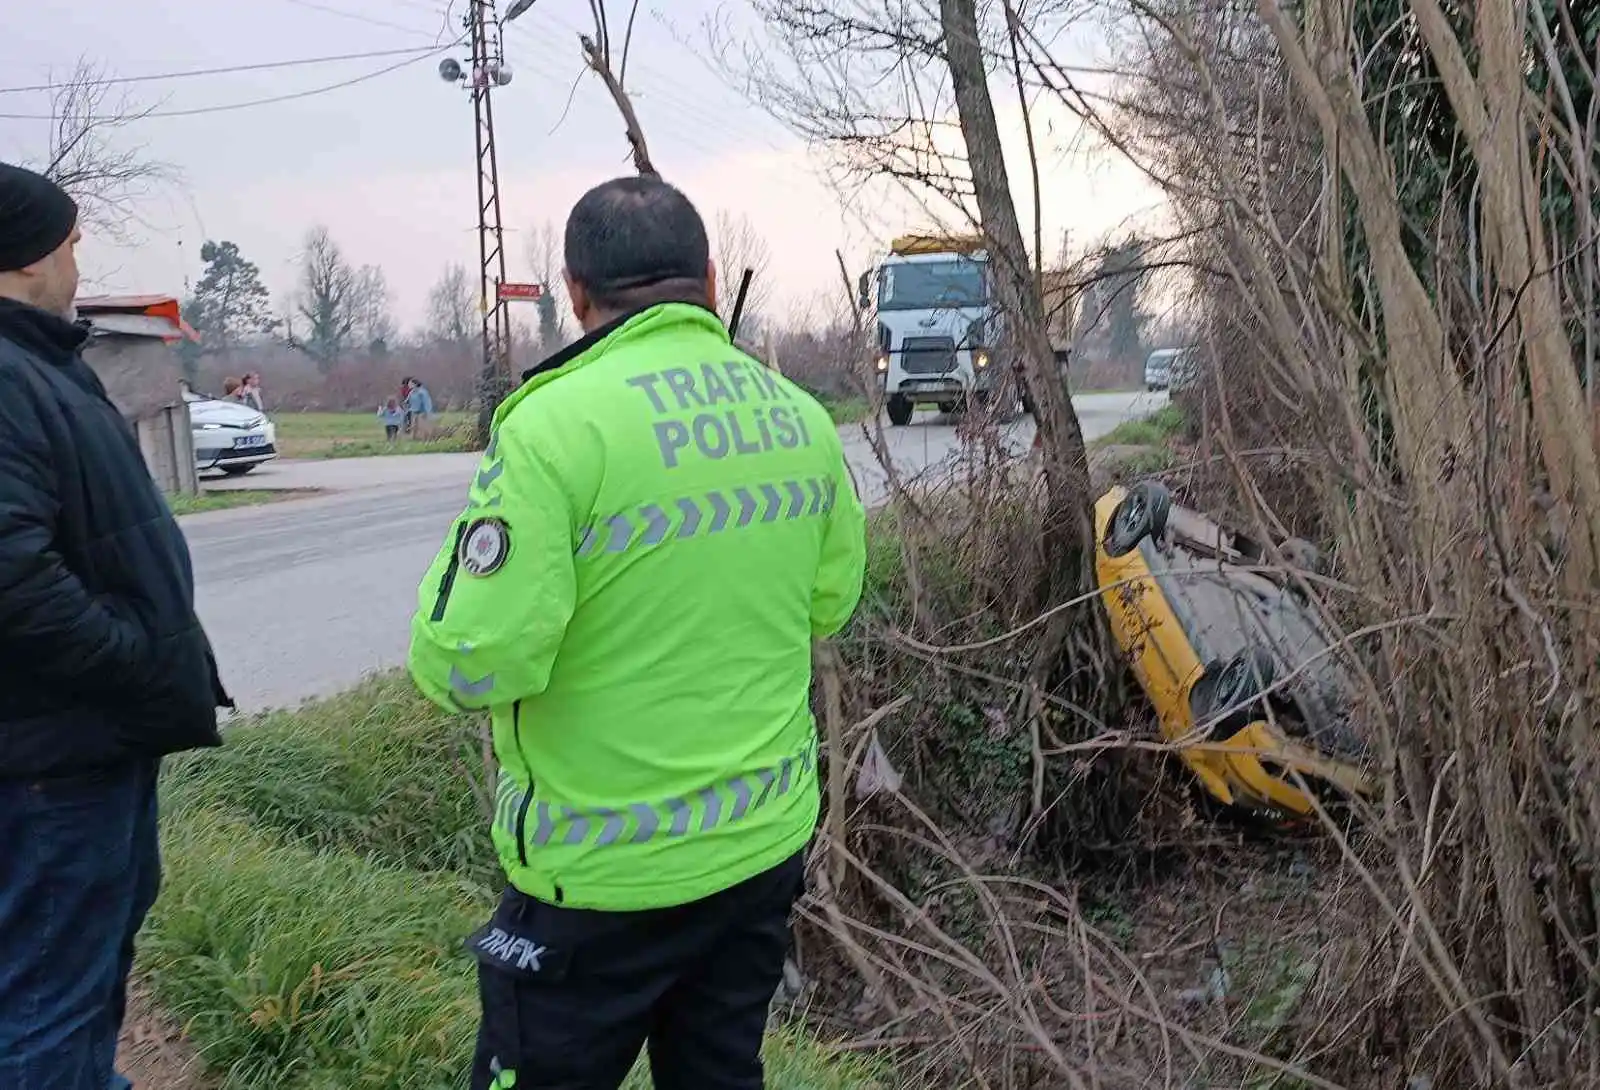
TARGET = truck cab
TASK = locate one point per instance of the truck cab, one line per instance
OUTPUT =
(938, 328)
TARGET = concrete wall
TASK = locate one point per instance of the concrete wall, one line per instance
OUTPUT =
(167, 442)
(141, 375)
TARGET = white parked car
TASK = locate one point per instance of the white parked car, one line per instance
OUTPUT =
(229, 436)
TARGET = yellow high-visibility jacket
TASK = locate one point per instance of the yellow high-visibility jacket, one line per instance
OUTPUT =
(658, 531)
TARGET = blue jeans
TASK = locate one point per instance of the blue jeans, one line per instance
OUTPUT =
(79, 868)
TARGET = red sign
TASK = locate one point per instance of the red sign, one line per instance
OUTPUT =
(521, 291)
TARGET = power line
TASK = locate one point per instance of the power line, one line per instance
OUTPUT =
(224, 70)
(225, 107)
(358, 17)
(675, 101)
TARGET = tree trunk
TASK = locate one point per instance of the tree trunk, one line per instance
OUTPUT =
(1069, 523)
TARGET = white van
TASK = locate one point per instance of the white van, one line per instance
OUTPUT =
(1158, 368)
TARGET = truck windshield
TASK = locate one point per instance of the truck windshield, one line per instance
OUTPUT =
(926, 285)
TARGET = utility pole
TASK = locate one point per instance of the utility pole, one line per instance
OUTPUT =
(486, 71)
(495, 380)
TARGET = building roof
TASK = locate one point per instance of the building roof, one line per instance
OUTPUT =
(125, 302)
(136, 316)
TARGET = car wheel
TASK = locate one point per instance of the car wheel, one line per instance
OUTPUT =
(947, 407)
(1240, 681)
(900, 409)
(1141, 513)
(237, 471)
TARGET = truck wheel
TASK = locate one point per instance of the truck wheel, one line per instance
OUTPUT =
(900, 409)
(947, 407)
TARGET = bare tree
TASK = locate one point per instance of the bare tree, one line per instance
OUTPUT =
(453, 307)
(374, 326)
(1068, 530)
(1391, 203)
(611, 66)
(328, 300)
(544, 255)
(900, 91)
(738, 246)
(89, 157)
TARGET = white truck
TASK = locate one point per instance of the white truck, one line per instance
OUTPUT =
(940, 337)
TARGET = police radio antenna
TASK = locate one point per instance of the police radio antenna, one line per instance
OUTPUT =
(738, 304)
(485, 70)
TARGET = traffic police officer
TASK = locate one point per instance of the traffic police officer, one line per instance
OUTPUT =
(658, 530)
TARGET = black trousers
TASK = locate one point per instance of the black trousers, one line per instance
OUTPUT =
(570, 995)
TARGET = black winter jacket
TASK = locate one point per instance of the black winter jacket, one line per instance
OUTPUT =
(102, 659)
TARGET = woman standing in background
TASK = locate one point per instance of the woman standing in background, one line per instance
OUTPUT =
(250, 392)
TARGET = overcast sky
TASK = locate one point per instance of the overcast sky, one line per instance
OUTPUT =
(387, 164)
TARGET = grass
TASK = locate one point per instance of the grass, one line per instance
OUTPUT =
(1143, 462)
(847, 410)
(291, 967)
(376, 771)
(1157, 429)
(323, 870)
(360, 435)
(184, 504)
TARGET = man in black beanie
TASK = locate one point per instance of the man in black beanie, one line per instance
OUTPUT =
(104, 667)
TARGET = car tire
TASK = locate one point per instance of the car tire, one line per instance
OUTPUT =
(900, 409)
(1239, 682)
(1231, 695)
(237, 471)
(1140, 514)
(947, 407)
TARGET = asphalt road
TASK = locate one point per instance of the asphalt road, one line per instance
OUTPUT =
(305, 598)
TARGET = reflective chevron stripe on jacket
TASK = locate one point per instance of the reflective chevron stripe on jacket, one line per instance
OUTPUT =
(537, 823)
(710, 513)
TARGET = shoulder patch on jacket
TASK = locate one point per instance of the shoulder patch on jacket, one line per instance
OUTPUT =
(484, 547)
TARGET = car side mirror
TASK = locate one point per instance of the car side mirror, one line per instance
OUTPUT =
(864, 290)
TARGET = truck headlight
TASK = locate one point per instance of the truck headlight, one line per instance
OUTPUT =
(882, 364)
(980, 359)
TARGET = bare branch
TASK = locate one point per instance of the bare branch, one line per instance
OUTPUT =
(89, 158)
(597, 55)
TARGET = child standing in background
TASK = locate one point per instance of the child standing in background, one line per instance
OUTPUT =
(393, 417)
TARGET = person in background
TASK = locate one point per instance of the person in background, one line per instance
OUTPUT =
(393, 417)
(632, 593)
(419, 407)
(104, 667)
(250, 392)
(231, 388)
(404, 399)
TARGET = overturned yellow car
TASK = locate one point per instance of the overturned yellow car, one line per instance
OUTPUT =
(1244, 677)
